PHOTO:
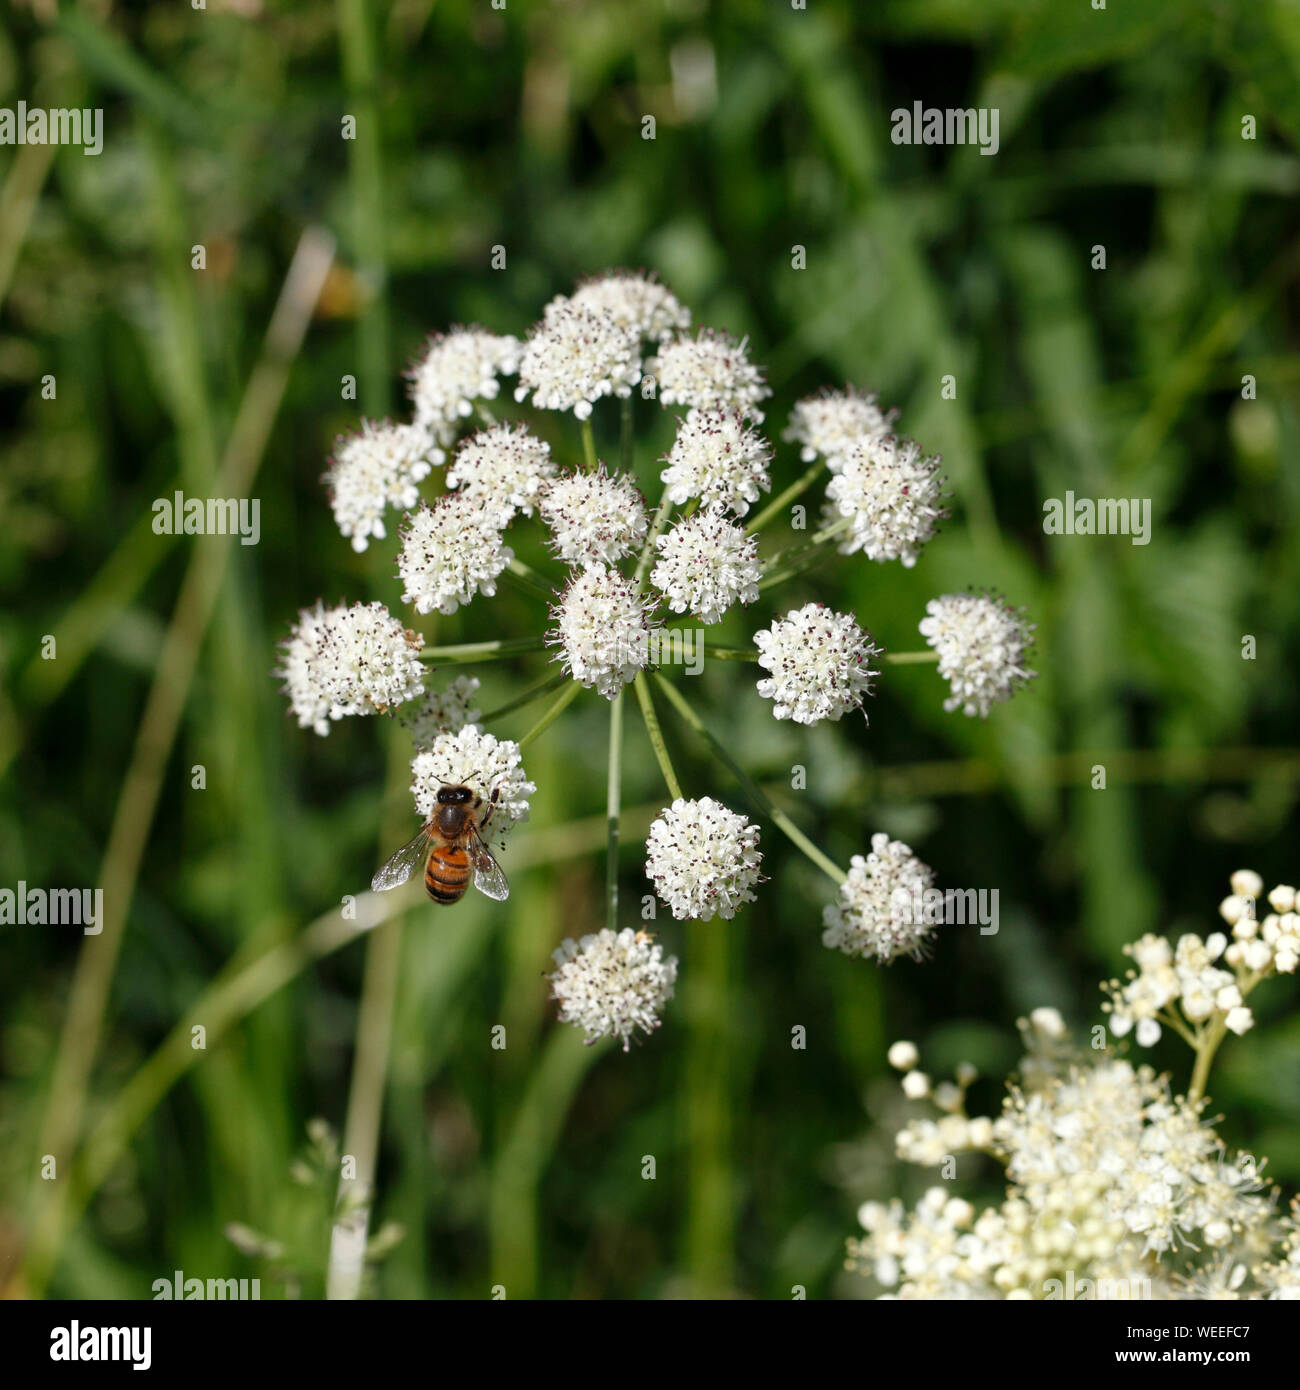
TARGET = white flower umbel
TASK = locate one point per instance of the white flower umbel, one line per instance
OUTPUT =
(711, 371)
(609, 984)
(575, 356)
(374, 469)
(458, 368)
(469, 757)
(1117, 1186)
(450, 552)
(633, 300)
(1204, 979)
(893, 496)
(717, 458)
(707, 563)
(879, 913)
(982, 644)
(703, 859)
(343, 661)
(504, 468)
(820, 663)
(831, 423)
(594, 518)
(602, 630)
(443, 711)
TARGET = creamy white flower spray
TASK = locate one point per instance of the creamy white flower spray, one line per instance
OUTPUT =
(459, 486)
(1118, 1186)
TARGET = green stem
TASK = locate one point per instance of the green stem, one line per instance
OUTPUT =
(542, 687)
(818, 538)
(648, 549)
(656, 735)
(910, 658)
(484, 414)
(799, 558)
(1208, 1046)
(613, 790)
(526, 1149)
(783, 499)
(755, 793)
(625, 440)
(567, 696)
(589, 444)
(483, 651)
(731, 653)
(359, 60)
(710, 1198)
(528, 578)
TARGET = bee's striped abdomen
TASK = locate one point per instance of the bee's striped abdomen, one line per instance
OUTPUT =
(446, 873)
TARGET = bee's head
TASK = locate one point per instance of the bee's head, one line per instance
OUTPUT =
(455, 796)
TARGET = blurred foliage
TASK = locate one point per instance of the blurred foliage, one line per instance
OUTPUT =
(522, 127)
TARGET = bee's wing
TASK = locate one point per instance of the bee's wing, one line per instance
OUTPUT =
(400, 866)
(488, 877)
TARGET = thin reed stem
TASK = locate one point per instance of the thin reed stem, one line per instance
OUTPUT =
(528, 578)
(483, 651)
(783, 499)
(648, 549)
(796, 559)
(656, 735)
(534, 692)
(567, 697)
(160, 721)
(755, 793)
(613, 793)
(589, 444)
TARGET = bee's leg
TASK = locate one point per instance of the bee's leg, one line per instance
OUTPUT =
(492, 805)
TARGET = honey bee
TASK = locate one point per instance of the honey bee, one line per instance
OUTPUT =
(451, 847)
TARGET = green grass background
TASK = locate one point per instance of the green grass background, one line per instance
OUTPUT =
(522, 128)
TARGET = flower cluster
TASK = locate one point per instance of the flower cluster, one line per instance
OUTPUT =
(890, 494)
(575, 356)
(711, 371)
(458, 369)
(1118, 1186)
(505, 469)
(342, 661)
(703, 859)
(706, 564)
(450, 552)
(1199, 984)
(378, 468)
(879, 913)
(982, 643)
(820, 663)
(717, 458)
(602, 630)
(593, 518)
(633, 300)
(466, 484)
(611, 983)
(833, 423)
